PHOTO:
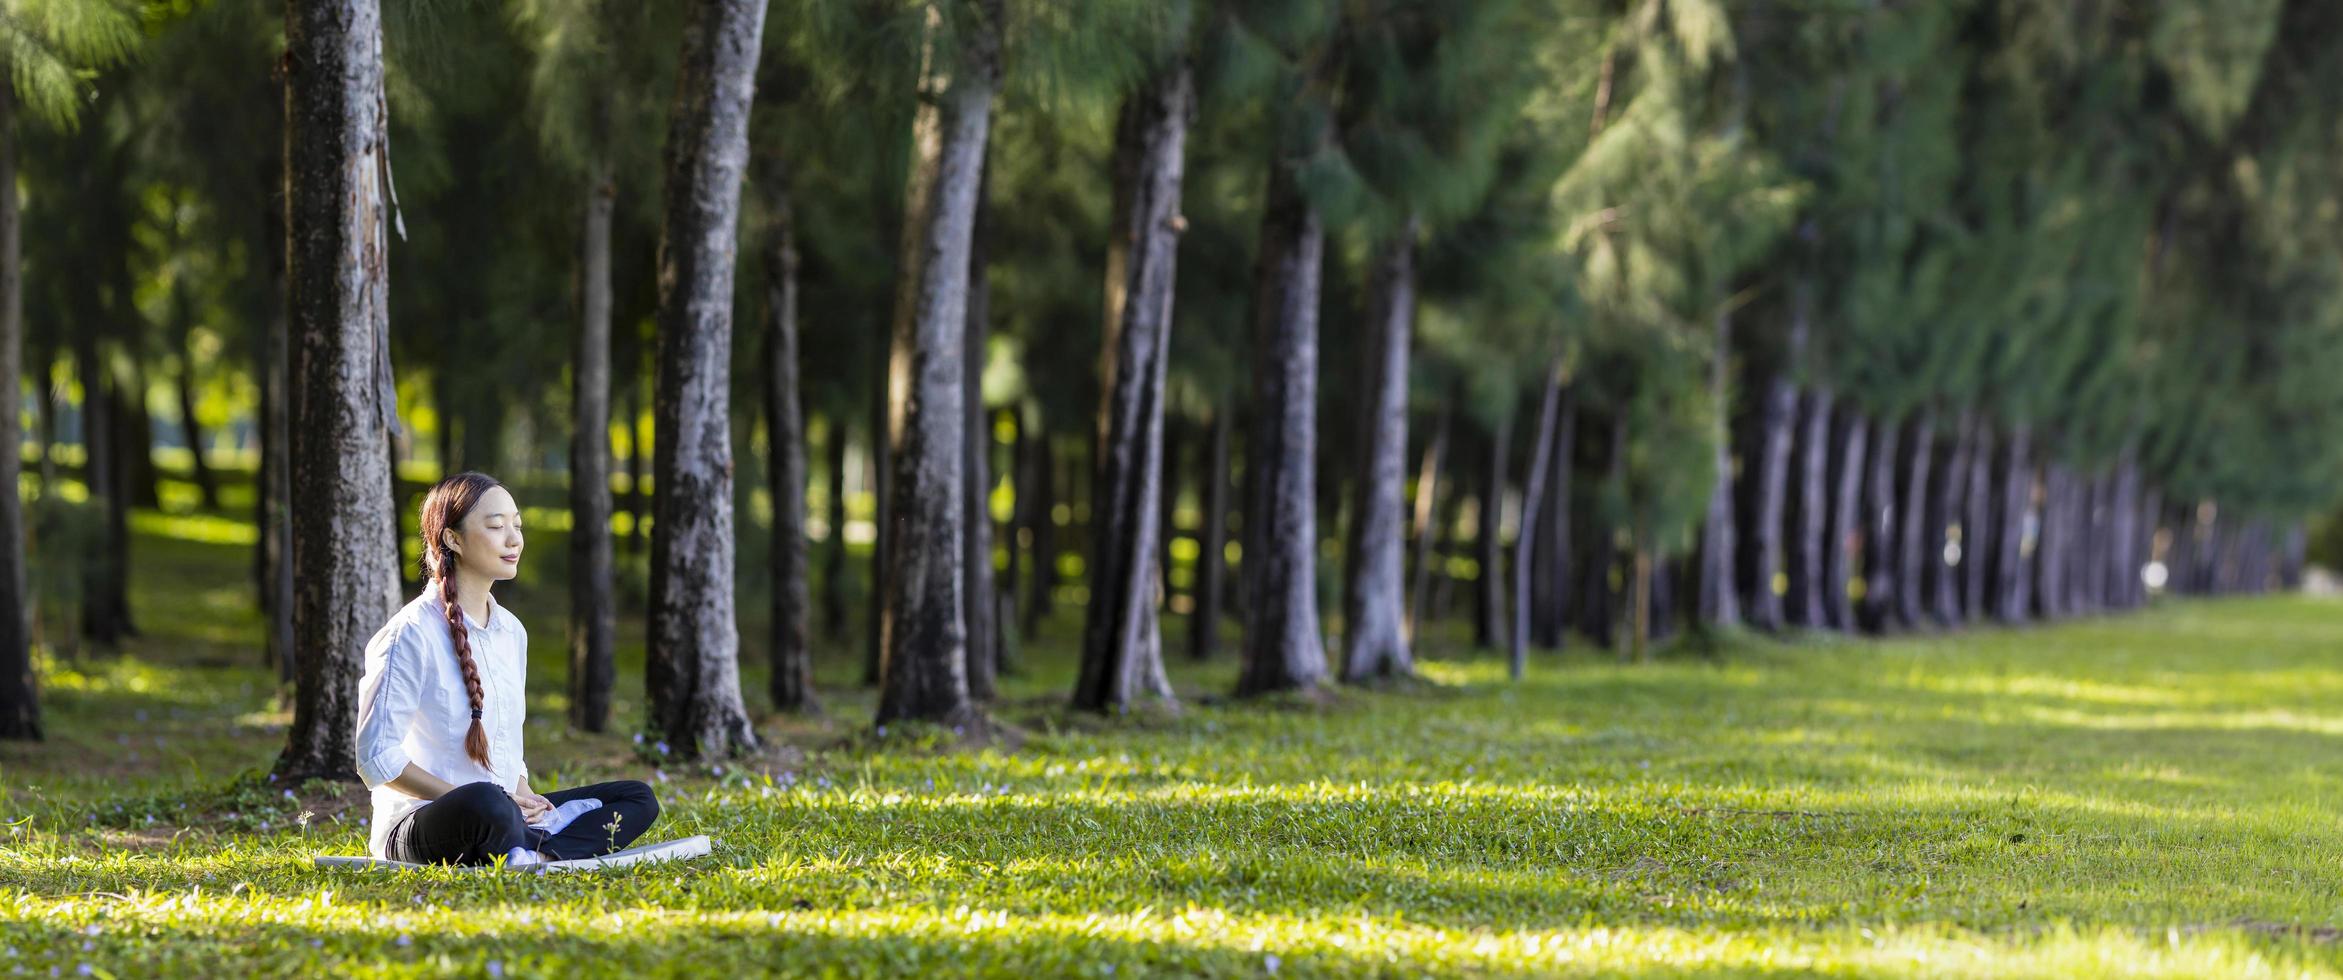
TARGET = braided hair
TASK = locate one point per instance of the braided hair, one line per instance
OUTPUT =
(444, 509)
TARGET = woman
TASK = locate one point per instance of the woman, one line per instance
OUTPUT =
(440, 710)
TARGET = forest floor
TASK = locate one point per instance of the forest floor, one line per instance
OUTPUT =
(2153, 795)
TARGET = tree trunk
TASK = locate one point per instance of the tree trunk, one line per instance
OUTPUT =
(1882, 549)
(2151, 512)
(1533, 498)
(882, 481)
(1719, 600)
(692, 667)
(2011, 561)
(1949, 504)
(345, 553)
(1122, 635)
(2050, 546)
(1374, 636)
(1845, 539)
(924, 665)
(20, 706)
(637, 502)
(1917, 537)
(206, 485)
(1550, 576)
(593, 618)
(979, 611)
(101, 613)
(792, 681)
(1212, 545)
(2293, 550)
(1282, 648)
(1041, 537)
(1167, 507)
(1977, 534)
(834, 546)
(1490, 625)
(1809, 567)
(137, 447)
(1427, 527)
(1777, 433)
(276, 470)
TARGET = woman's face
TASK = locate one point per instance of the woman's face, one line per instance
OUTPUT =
(488, 543)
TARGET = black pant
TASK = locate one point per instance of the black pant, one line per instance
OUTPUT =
(477, 823)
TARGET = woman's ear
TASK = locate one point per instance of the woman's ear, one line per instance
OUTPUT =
(448, 539)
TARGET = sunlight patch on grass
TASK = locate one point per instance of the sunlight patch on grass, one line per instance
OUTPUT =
(199, 528)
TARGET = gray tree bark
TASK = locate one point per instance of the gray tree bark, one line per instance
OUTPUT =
(1532, 499)
(1810, 576)
(1977, 532)
(1881, 550)
(792, 681)
(1846, 519)
(1915, 536)
(345, 553)
(1122, 636)
(1490, 623)
(1719, 600)
(692, 670)
(1375, 642)
(2011, 562)
(924, 667)
(20, 706)
(1426, 522)
(593, 618)
(981, 611)
(1776, 435)
(1282, 648)
(1949, 504)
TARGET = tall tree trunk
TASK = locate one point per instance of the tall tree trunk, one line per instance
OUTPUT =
(1882, 549)
(792, 682)
(2144, 545)
(924, 666)
(1212, 544)
(2293, 548)
(1122, 635)
(137, 444)
(1041, 536)
(1426, 525)
(1374, 635)
(20, 706)
(1533, 498)
(1550, 577)
(1765, 563)
(192, 430)
(1977, 533)
(834, 546)
(1719, 598)
(692, 667)
(1845, 539)
(2050, 546)
(1949, 504)
(882, 481)
(345, 553)
(593, 618)
(1491, 624)
(276, 450)
(2011, 561)
(101, 615)
(978, 608)
(1916, 537)
(1809, 567)
(1282, 649)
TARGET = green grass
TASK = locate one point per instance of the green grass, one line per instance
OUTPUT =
(2153, 795)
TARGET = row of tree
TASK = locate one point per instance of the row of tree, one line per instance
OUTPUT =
(1685, 316)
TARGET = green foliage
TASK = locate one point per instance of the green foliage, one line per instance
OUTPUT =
(51, 48)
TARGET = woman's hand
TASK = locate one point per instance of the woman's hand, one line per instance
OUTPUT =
(532, 805)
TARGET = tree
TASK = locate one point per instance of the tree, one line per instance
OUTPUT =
(1122, 643)
(42, 47)
(345, 549)
(924, 669)
(694, 651)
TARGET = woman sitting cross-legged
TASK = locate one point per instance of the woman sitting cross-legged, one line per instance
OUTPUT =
(440, 711)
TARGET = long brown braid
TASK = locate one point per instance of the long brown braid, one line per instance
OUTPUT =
(444, 509)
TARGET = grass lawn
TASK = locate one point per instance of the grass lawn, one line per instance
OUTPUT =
(2152, 795)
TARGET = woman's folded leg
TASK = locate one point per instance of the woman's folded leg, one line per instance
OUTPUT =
(475, 823)
(628, 808)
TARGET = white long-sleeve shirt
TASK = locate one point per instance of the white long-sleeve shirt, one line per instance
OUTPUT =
(412, 706)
